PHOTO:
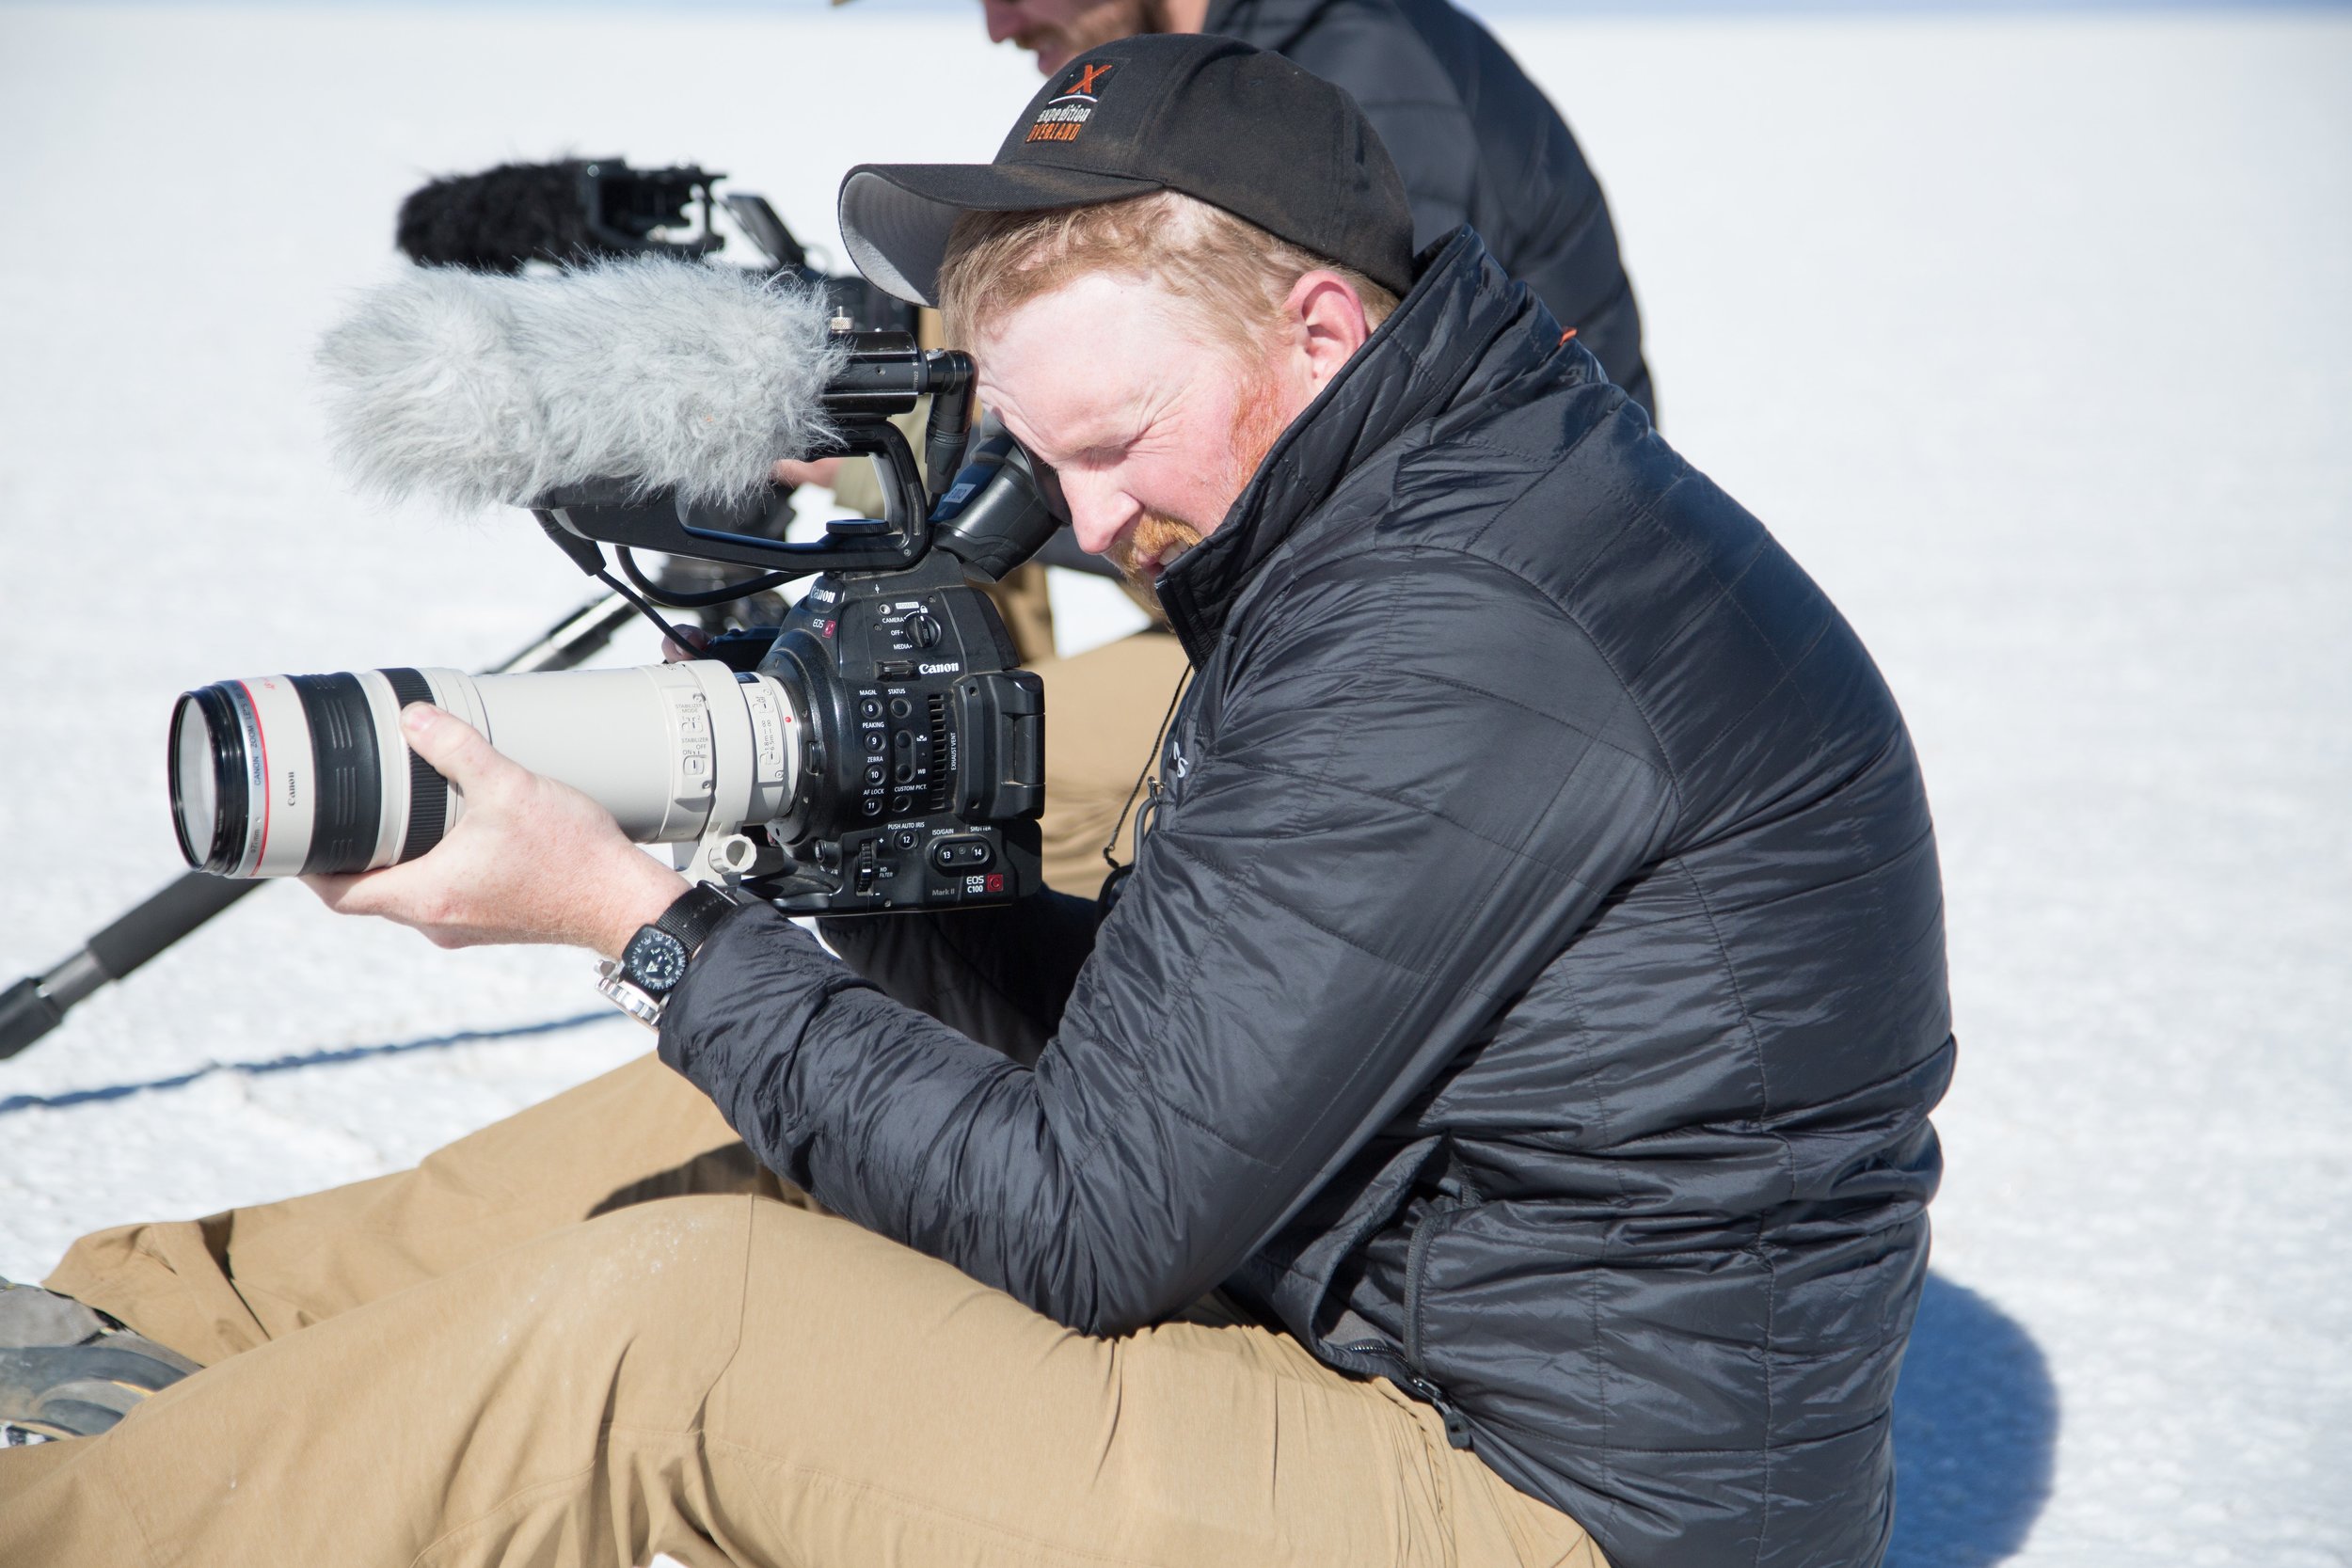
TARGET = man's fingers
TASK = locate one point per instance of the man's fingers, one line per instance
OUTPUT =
(360, 891)
(406, 892)
(823, 471)
(357, 892)
(454, 748)
(333, 888)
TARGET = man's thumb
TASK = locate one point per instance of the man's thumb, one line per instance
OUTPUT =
(455, 749)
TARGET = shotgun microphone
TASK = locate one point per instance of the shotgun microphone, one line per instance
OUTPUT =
(663, 374)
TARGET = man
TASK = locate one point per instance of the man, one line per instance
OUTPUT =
(1491, 1120)
(1475, 142)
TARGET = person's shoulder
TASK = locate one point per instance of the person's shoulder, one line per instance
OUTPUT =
(1375, 49)
(1542, 423)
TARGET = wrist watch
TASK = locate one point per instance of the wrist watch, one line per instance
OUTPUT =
(654, 961)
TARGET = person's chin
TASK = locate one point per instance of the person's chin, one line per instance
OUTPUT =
(1051, 54)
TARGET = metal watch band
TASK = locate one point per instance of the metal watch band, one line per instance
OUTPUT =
(614, 987)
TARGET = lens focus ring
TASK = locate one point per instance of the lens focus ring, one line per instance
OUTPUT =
(428, 792)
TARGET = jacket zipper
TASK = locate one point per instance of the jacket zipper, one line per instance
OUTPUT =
(1457, 1431)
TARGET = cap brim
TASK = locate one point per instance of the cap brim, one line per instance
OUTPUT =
(895, 218)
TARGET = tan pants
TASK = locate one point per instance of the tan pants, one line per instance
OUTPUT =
(596, 1331)
(1103, 712)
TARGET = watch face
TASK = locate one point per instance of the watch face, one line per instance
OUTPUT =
(654, 961)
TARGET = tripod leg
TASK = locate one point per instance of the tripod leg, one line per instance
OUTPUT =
(573, 641)
(37, 1003)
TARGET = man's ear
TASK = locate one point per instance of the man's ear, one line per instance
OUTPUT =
(1327, 323)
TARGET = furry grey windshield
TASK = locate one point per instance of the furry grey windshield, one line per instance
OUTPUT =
(470, 388)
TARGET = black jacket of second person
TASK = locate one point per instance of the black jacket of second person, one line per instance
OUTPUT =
(1530, 989)
(1477, 143)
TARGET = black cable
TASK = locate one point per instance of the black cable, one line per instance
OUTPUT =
(727, 593)
(1119, 873)
(645, 610)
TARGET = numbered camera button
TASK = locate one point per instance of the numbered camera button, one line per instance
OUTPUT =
(957, 855)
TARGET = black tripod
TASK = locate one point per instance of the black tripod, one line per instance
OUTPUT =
(39, 1003)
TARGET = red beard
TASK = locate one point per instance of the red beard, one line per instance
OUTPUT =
(1257, 422)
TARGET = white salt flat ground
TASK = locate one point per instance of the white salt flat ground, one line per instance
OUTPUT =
(2032, 335)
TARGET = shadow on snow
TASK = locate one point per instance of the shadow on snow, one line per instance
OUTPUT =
(296, 1062)
(1976, 1434)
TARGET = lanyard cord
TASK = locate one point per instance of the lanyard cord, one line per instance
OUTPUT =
(1119, 873)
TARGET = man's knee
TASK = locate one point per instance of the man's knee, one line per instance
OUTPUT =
(649, 1268)
(674, 1247)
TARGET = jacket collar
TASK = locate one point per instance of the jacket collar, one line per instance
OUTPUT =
(1416, 365)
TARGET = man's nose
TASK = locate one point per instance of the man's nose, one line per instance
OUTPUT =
(1099, 512)
(1004, 20)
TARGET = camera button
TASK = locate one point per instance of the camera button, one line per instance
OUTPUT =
(962, 854)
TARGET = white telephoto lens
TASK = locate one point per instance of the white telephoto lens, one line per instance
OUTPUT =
(287, 774)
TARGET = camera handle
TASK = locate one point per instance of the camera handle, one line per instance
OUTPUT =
(881, 374)
(608, 513)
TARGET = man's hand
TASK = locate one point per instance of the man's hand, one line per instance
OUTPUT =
(824, 472)
(530, 860)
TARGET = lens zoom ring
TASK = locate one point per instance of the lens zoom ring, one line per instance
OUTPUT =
(348, 788)
(428, 792)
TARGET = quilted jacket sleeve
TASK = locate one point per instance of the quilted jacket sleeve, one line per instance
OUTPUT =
(1001, 975)
(1404, 792)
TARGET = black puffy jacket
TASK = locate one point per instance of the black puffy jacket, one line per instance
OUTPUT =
(1531, 990)
(1477, 143)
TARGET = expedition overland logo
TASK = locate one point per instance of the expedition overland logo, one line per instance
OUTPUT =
(1066, 115)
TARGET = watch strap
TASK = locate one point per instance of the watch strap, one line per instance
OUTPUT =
(694, 914)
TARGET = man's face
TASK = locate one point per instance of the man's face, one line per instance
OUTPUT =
(1152, 428)
(1058, 31)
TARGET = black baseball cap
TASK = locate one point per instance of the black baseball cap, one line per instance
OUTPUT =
(1237, 127)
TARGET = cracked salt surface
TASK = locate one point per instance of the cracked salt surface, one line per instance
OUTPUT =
(2029, 334)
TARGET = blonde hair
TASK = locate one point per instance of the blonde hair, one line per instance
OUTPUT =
(1229, 275)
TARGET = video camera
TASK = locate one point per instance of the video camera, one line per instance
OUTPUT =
(880, 751)
(309, 773)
